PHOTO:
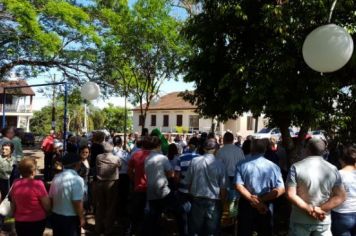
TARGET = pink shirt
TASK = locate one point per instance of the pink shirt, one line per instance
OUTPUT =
(26, 193)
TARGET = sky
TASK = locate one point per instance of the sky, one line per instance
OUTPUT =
(41, 100)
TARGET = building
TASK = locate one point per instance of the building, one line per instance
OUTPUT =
(18, 104)
(172, 114)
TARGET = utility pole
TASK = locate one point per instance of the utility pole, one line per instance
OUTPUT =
(125, 119)
(85, 129)
(54, 103)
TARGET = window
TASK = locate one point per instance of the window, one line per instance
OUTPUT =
(250, 123)
(153, 120)
(194, 122)
(140, 120)
(179, 120)
(165, 120)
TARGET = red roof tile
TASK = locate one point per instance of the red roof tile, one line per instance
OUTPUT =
(170, 101)
(13, 83)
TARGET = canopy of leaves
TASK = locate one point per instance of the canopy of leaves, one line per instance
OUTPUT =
(38, 35)
(141, 47)
(247, 55)
(115, 119)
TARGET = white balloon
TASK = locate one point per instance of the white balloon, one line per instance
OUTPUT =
(328, 48)
(90, 91)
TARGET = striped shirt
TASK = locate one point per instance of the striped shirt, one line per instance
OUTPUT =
(182, 166)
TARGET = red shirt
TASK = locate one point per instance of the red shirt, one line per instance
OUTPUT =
(137, 163)
(26, 193)
(47, 145)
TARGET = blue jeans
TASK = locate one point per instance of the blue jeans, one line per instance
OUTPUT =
(184, 201)
(296, 229)
(343, 224)
(204, 217)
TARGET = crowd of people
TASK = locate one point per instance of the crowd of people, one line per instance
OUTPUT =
(192, 180)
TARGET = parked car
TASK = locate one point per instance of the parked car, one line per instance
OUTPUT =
(307, 135)
(28, 139)
(270, 132)
(267, 133)
(321, 134)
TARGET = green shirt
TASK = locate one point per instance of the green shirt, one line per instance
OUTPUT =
(18, 153)
(6, 167)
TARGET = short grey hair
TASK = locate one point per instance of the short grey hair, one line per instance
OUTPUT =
(316, 147)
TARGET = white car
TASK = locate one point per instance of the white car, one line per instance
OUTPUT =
(270, 132)
(267, 133)
(320, 134)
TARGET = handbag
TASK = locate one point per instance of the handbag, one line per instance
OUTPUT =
(5, 206)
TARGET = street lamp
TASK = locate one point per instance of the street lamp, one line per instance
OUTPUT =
(89, 91)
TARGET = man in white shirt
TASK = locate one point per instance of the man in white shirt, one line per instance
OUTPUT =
(66, 194)
(314, 187)
(230, 155)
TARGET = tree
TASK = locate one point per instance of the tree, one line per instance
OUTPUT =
(40, 35)
(41, 121)
(247, 56)
(142, 48)
(115, 118)
(342, 120)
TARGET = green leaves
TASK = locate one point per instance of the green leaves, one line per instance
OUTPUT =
(46, 34)
(252, 61)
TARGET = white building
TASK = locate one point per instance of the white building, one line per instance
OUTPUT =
(18, 104)
(172, 114)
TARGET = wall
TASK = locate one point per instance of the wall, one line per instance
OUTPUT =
(235, 126)
(203, 123)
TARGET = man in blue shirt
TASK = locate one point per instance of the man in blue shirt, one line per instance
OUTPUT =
(182, 195)
(207, 179)
(259, 181)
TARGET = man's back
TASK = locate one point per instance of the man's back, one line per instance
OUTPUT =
(66, 187)
(207, 175)
(156, 166)
(107, 166)
(182, 167)
(314, 179)
(258, 175)
(137, 164)
(230, 155)
(47, 144)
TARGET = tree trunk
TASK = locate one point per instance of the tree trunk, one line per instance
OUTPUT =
(293, 147)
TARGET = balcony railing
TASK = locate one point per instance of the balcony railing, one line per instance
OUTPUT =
(17, 108)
